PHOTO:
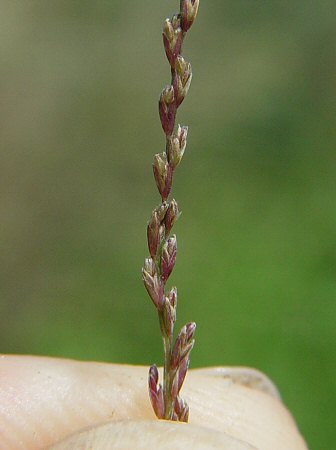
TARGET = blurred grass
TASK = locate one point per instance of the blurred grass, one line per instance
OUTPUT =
(257, 239)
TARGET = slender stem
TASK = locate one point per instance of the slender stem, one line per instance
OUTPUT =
(169, 406)
(167, 344)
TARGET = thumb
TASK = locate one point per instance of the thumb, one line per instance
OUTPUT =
(144, 435)
(44, 400)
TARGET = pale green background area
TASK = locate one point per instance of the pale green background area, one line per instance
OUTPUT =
(256, 267)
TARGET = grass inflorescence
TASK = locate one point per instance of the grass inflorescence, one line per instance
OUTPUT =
(162, 245)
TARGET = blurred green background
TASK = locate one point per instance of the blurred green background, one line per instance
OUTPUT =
(257, 239)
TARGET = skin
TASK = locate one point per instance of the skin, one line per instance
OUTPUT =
(64, 404)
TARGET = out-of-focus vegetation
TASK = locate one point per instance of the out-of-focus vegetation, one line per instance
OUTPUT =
(257, 239)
